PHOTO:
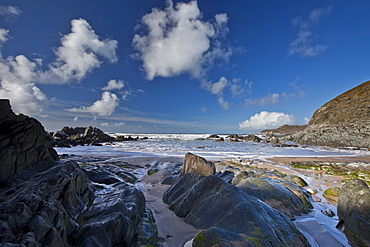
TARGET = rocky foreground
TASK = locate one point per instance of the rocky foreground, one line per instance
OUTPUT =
(102, 201)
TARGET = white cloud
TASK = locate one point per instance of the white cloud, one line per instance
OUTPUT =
(303, 45)
(103, 107)
(81, 51)
(4, 35)
(178, 41)
(203, 109)
(270, 99)
(114, 85)
(75, 119)
(217, 87)
(267, 120)
(224, 104)
(9, 12)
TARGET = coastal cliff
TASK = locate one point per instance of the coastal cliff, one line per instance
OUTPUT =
(342, 122)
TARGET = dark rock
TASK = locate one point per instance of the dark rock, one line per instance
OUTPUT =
(25, 147)
(170, 180)
(218, 237)
(44, 210)
(220, 140)
(196, 164)
(275, 195)
(227, 176)
(251, 137)
(332, 194)
(147, 234)
(208, 201)
(114, 217)
(80, 136)
(353, 208)
(233, 136)
(213, 136)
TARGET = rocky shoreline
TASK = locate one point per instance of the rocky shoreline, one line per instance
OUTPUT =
(70, 200)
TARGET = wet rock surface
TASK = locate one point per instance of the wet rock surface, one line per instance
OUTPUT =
(208, 201)
(354, 211)
(45, 202)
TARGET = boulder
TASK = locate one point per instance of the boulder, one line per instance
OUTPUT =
(213, 136)
(208, 201)
(25, 147)
(353, 209)
(197, 164)
(218, 237)
(276, 195)
(220, 140)
(44, 210)
(252, 138)
(80, 136)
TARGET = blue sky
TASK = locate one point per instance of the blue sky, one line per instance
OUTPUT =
(180, 67)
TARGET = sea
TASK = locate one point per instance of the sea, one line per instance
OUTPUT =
(177, 145)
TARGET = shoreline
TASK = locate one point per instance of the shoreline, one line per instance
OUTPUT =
(176, 233)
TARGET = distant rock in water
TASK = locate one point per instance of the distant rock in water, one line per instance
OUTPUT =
(342, 122)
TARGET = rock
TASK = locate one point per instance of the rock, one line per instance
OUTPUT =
(220, 140)
(234, 140)
(275, 195)
(196, 164)
(274, 140)
(284, 130)
(213, 136)
(233, 136)
(208, 201)
(147, 234)
(218, 237)
(44, 210)
(342, 122)
(114, 217)
(353, 209)
(80, 136)
(328, 212)
(251, 137)
(332, 194)
(297, 180)
(227, 176)
(311, 190)
(169, 180)
(25, 147)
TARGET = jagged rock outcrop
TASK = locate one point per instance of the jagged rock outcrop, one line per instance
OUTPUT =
(48, 203)
(208, 201)
(25, 147)
(284, 130)
(342, 122)
(80, 136)
(354, 211)
(196, 164)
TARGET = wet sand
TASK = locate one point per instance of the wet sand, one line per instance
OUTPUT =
(171, 228)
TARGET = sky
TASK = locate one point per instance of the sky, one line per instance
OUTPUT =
(163, 66)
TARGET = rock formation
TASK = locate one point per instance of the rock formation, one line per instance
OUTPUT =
(25, 147)
(354, 211)
(208, 202)
(342, 122)
(196, 164)
(48, 203)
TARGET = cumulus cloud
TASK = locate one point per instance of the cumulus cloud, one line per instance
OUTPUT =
(114, 85)
(267, 120)
(178, 41)
(103, 107)
(216, 87)
(81, 51)
(303, 45)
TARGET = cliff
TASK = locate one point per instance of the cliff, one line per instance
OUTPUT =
(342, 122)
